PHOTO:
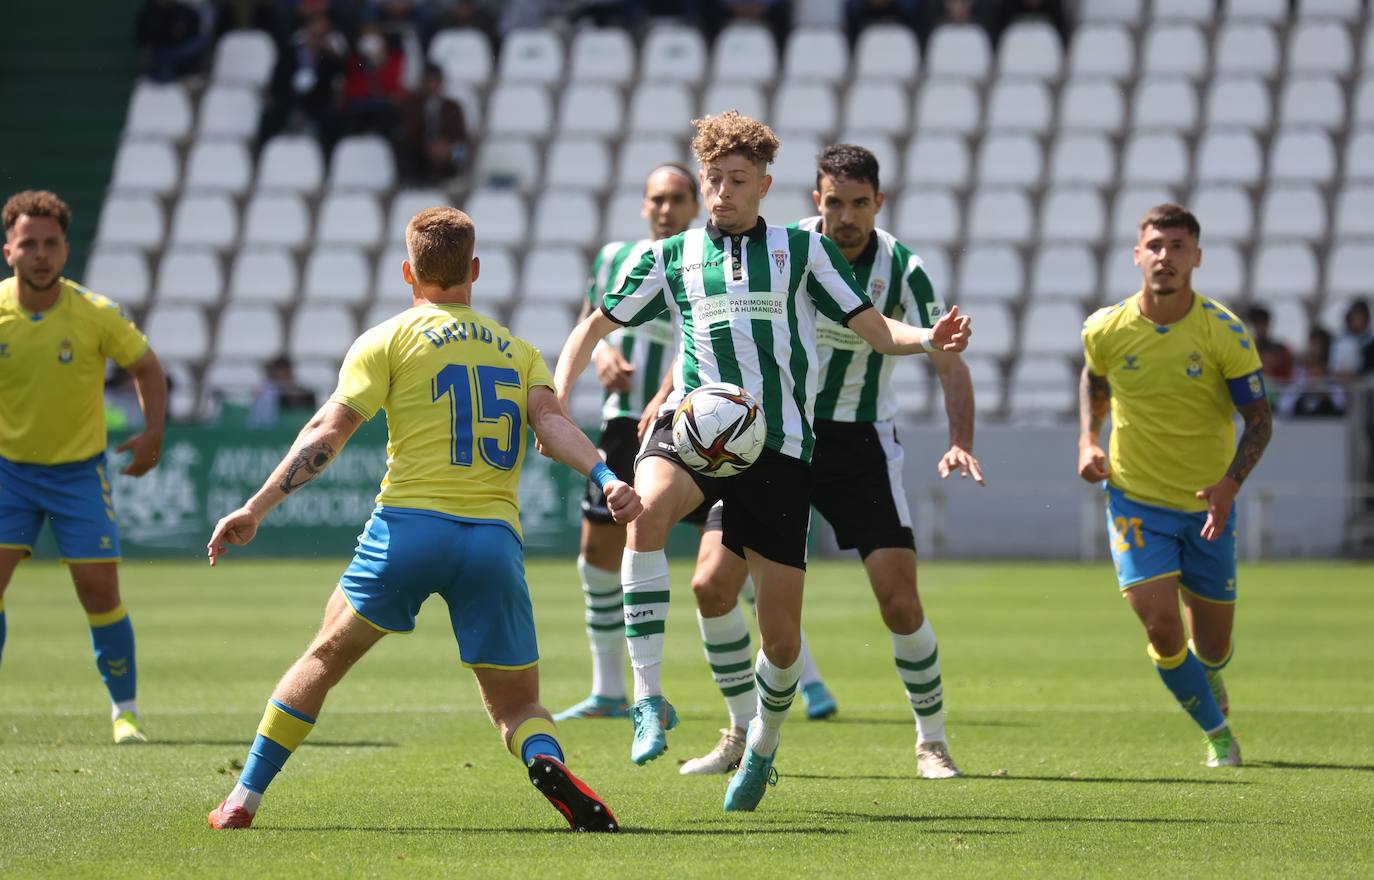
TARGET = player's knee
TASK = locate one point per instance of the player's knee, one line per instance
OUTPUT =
(714, 596)
(782, 651)
(901, 614)
(1165, 634)
(602, 553)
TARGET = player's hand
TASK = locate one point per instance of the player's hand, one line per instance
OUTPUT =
(960, 459)
(1220, 496)
(237, 528)
(623, 501)
(612, 370)
(1092, 463)
(147, 448)
(952, 331)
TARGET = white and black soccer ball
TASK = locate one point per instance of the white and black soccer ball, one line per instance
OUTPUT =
(719, 429)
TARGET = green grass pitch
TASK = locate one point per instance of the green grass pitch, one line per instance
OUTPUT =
(1078, 762)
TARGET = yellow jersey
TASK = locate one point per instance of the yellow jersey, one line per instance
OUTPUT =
(1172, 406)
(52, 373)
(455, 386)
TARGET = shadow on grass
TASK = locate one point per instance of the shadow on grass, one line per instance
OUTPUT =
(436, 830)
(906, 721)
(1124, 820)
(245, 743)
(1301, 765)
(907, 777)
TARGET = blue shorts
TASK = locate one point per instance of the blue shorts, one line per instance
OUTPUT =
(478, 566)
(75, 497)
(1150, 542)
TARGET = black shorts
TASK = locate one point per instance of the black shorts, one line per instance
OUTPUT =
(619, 446)
(767, 507)
(857, 485)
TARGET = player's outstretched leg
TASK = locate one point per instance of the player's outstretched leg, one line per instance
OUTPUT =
(295, 704)
(645, 579)
(776, 688)
(606, 635)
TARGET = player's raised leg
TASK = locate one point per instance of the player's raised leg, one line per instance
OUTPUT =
(342, 640)
(112, 638)
(669, 494)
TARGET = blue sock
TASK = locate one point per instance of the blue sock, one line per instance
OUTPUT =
(1185, 676)
(540, 744)
(535, 736)
(280, 733)
(112, 636)
(2, 629)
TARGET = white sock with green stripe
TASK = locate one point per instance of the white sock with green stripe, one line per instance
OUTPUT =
(726, 639)
(918, 664)
(605, 616)
(644, 577)
(777, 687)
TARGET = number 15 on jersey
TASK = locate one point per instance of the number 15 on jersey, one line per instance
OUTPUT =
(487, 407)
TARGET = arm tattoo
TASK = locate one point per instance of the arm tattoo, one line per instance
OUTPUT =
(1094, 401)
(310, 463)
(1259, 427)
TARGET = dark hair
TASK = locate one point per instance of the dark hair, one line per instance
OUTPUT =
(676, 168)
(1171, 216)
(432, 69)
(36, 203)
(847, 160)
(1358, 306)
(1258, 314)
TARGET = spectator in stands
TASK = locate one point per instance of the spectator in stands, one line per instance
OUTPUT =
(279, 392)
(1313, 391)
(433, 143)
(171, 35)
(392, 15)
(1007, 11)
(1275, 357)
(1348, 349)
(373, 88)
(305, 83)
(776, 15)
(473, 14)
(933, 13)
(859, 14)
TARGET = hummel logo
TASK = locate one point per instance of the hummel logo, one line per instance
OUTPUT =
(1131, 362)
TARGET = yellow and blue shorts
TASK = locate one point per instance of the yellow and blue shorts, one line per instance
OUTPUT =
(477, 566)
(1150, 542)
(74, 497)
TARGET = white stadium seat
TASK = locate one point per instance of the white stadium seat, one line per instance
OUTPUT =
(1130, 205)
(1364, 102)
(363, 162)
(623, 221)
(996, 339)
(349, 218)
(1249, 48)
(1346, 9)
(507, 161)
(1010, 159)
(1066, 271)
(263, 274)
(519, 108)
(1293, 211)
(219, 165)
(337, 275)
(544, 328)
(887, 51)
(1239, 102)
(119, 273)
(1222, 274)
(252, 332)
(1229, 213)
(159, 110)
(1120, 275)
(1030, 49)
(1355, 212)
(229, 111)
(147, 166)
(1349, 267)
(178, 333)
(322, 331)
(591, 109)
(959, 50)
(1175, 49)
(807, 106)
(786, 204)
(936, 263)
(189, 275)
(232, 380)
(1072, 214)
(291, 162)
(1168, 103)
(948, 105)
(639, 155)
(673, 53)
(1359, 155)
(464, 54)
(1104, 51)
(531, 55)
(1155, 158)
(1289, 323)
(985, 370)
(1091, 105)
(1052, 328)
(1020, 105)
(1320, 47)
(1266, 10)
(938, 160)
(569, 217)
(503, 215)
(928, 215)
(660, 108)
(911, 386)
(877, 105)
(1312, 101)
(388, 284)
(796, 162)
(1286, 270)
(745, 53)
(320, 376)
(244, 57)
(1084, 158)
(816, 53)
(205, 219)
(497, 284)
(1125, 11)
(1229, 157)
(578, 163)
(993, 272)
(1042, 388)
(1189, 10)
(405, 205)
(554, 276)
(276, 220)
(1305, 155)
(724, 94)
(602, 55)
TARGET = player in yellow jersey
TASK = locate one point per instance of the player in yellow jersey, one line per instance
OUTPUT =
(1172, 367)
(54, 339)
(458, 390)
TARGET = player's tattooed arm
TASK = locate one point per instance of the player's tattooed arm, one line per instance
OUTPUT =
(1094, 402)
(310, 462)
(1259, 427)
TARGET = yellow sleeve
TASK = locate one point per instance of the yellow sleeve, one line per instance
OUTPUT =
(1234, 349)
(538, 372)
(1090, 353)
(120, 338)
(365, 377)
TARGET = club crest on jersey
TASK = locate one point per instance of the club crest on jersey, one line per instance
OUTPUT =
(878, 286)
(1194, 365)
(779, 258)
(65, 352)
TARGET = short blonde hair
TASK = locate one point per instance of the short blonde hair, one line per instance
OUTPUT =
(440, 242)
(732, 132)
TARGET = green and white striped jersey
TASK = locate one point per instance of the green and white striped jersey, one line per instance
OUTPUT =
(747, 305)
(856, 381)
(647, 347)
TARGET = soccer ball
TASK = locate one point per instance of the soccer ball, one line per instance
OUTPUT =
(718, 429)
